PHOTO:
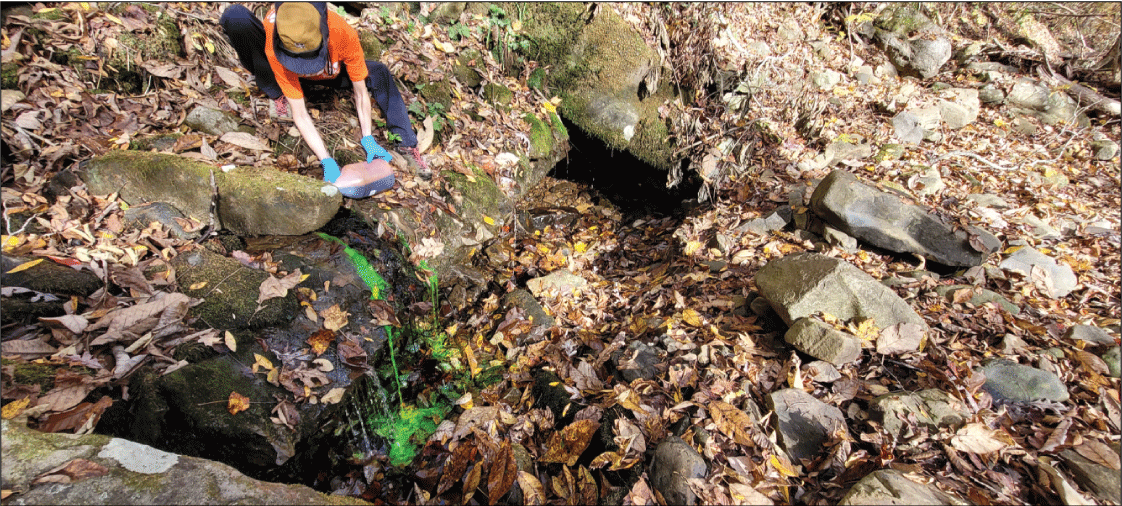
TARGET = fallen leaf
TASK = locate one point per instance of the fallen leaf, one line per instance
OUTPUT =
(262, 362)
(732, 422)
(230, 342)
(321, 340)
(278, 287)
(900, 338)
(14, 408)
(73, 471)
(566, 446)
(334, 318)
(457, 465)
(979, 439)
(237, 403)
(352, 354)
(333, 396)
(24, 266)
(72, 322)
(74, 418)
(1099, 453)
(503, 473)
(532, 490)
(245, 140)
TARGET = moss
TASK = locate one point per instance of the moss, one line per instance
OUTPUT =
(9, 76)
(371, 45)
(498, 94)
(439, 92)
(50, 15)
(26, 373)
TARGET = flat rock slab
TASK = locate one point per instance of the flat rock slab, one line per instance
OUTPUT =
(891, 487)
(251, 201)
(931, 408)
(803, 422)
(1090, 334)
(1010, 381)
(1104, 482)
(807, 283)
(673, 464)
(1052, 279)
(134, 474)
(887, 221)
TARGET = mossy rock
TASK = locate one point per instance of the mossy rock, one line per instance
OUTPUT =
(498, 94)
(251, 200)
(9, 76)
(372, 46)
(229, 292)
(439, 92)
(469, 68)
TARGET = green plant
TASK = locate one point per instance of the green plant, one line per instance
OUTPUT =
(458, 31)
(435, 110)
(393, 138)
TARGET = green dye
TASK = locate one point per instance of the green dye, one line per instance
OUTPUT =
(407, 425)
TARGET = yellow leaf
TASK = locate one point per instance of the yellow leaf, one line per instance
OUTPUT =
(549, 107)
(10, 243)
(111, 18)
(516, 25)
(14, 408)
(692, 247)
(580, 247)
(237, 403)
(24, 266)
(782, 467)
(209, 46)
(197, 286)
(691, 317)
(262, 362)
(230, 341)
(488, 220)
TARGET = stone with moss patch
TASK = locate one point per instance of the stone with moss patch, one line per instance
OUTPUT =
(229, 292)
(252, 200)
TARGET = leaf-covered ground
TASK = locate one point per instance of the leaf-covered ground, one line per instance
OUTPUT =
(676, 283)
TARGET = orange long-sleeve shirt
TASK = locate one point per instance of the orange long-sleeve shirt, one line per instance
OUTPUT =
(343, 47)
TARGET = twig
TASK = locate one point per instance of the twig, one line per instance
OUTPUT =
(976, 157)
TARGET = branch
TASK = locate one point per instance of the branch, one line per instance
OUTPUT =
(1086, 96)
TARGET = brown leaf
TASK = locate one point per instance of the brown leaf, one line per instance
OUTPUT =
(731, 421)
(1099, 453)
(70, 388)
(278, 287)
(382, 313)
(565, 447)
(321, 340)
(464, 455)
(352, 354)
(77, 416)
(979, 439)
(532, 490)
(28, 348)
(503, 473)
(471, 481)
(1092, 362)
(1058, 436)
(74, 471)
(237, 403)
(245, 140)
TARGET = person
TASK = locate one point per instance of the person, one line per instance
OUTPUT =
(300, 43)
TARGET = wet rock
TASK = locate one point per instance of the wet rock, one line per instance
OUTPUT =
(557, 283)
(539, 218)
(1090, 334)
(822, 341)
(1102, 481)
(1010, 381)
(980, 296)
(1058, 279)
(525, 300)
(886, 221)
(31, 293)
(252, 200)
(135, 474)
(638, 360)
(804, 423)
(229, 291)
(806, 283)
(931, 408)
(891, 487)
(673, 464)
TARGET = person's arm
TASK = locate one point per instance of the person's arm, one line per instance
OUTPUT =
(307, 128)
(362, 106)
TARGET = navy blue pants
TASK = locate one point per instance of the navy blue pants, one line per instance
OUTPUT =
(247, 36)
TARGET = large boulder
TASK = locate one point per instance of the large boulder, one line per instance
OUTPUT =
(807, 283)
(887, 221)
(119, 471)
(251, 200)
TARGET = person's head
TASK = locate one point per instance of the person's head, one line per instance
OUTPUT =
(301, 36)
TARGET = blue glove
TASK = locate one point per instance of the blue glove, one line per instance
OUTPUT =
(330, 170)
(373, 150)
